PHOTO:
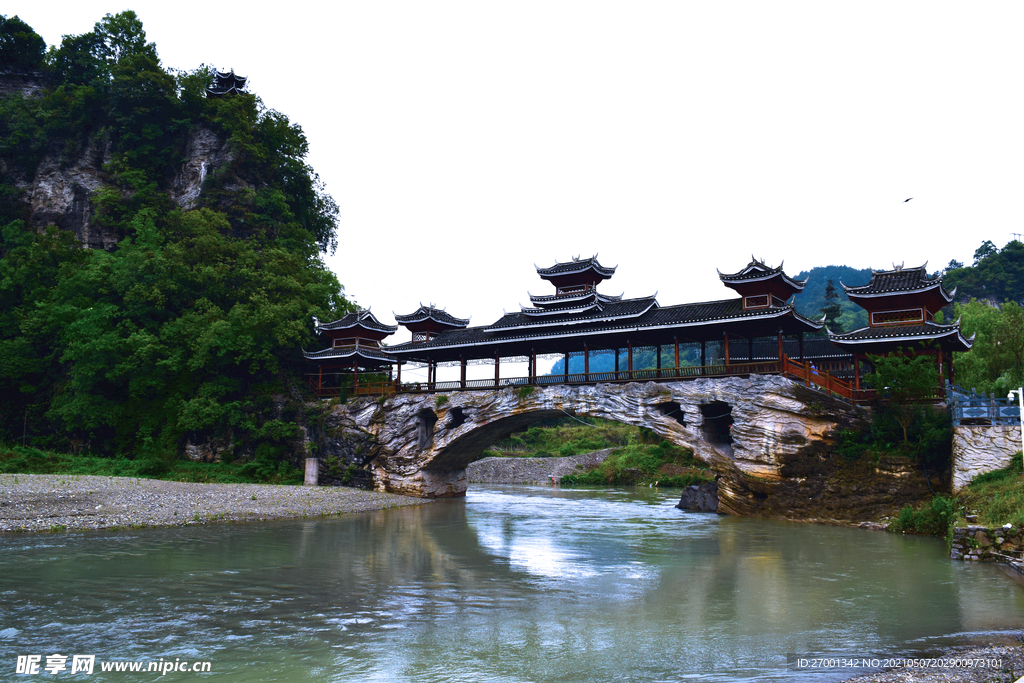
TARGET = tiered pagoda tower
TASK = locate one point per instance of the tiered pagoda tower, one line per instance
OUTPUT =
(426, 323)
(762, 286)
(901, 305)
(355, 344)
(226, 84)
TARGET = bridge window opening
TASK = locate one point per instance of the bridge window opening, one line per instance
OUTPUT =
(673, 410)
(717, 422)
(425, 421)
(456, 418)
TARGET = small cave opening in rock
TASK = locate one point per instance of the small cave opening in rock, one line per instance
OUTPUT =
(717, 421)
(456, 417)
(673, 410)
(425, 421)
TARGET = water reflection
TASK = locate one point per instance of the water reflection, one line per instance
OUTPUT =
(513, 584)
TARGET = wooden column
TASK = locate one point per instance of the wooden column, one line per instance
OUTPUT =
(586, 363)
(497, 369)
(726, 352)
(533, 366)
(781, 351)
(629, 358)
(800, 341)
(657, 352)
(676, 342)
(320, 379)
(462, 374)
(750, 349)
(856, 371)
(703, 356)
(616, 362)
(566, 380)
(355, 377)
(398, 379)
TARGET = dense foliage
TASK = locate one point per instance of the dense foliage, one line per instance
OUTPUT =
(995, 364)
(995, 276)
(190, 326)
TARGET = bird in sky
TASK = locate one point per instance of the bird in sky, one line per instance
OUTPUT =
(907, 200)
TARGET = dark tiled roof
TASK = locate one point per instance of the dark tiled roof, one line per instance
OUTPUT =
(905, 333)
(576, 266)
(430, 313)
(348, 352)
(632, 314)
(897, 281)
(615, 310)
(758, 270)
(361, 318)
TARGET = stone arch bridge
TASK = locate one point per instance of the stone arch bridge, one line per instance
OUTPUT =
(755, 432)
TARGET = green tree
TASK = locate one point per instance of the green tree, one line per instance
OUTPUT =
(902, 381)
(832, 309)
(20, 46)
(995, 363)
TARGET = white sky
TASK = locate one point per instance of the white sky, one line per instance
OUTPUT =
(467, 140)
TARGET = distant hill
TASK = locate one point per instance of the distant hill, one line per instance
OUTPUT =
(812, 299)
(996, 276)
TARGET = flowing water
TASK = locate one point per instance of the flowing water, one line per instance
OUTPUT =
(511, 584)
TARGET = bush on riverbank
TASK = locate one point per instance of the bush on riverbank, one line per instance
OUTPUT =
(663, 464)
(933, 519)
(20, 460)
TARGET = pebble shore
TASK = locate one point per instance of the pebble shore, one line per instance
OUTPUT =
(1009, 669)
(531, 470)
(55, 502)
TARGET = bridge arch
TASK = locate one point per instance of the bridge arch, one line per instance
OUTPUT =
(748, 429)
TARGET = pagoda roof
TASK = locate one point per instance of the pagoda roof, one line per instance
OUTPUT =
(577, 265)
(756, 271)
(361, 318)
(347, 353)
(899, 280)
(947, 335)
(612, 310)
(551, 300)
(225, 83)
(438, 315)
(633, 315)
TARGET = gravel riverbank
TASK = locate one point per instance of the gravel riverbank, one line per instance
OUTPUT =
(996, 664)
(531, 470)
(55, 502)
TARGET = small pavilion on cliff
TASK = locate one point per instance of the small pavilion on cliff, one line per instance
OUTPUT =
(227, 83)
(901, 304)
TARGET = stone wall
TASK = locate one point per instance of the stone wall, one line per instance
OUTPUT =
(981, 544)
(980, 449)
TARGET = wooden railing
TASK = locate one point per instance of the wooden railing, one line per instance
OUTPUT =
(651, 375)
(810, 374)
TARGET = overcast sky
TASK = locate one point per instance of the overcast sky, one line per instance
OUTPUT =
(467, 140)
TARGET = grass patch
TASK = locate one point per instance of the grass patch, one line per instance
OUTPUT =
(635, 464)
(20, 460)
(997, 498)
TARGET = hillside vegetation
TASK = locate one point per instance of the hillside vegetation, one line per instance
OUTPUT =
(191, 326)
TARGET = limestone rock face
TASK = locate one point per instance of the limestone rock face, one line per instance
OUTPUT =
(980, 449)
(754, 432)
(60, 192)
(24, 82)
(205, 153)
(60, 195)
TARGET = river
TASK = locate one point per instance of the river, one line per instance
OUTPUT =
(511, 584)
